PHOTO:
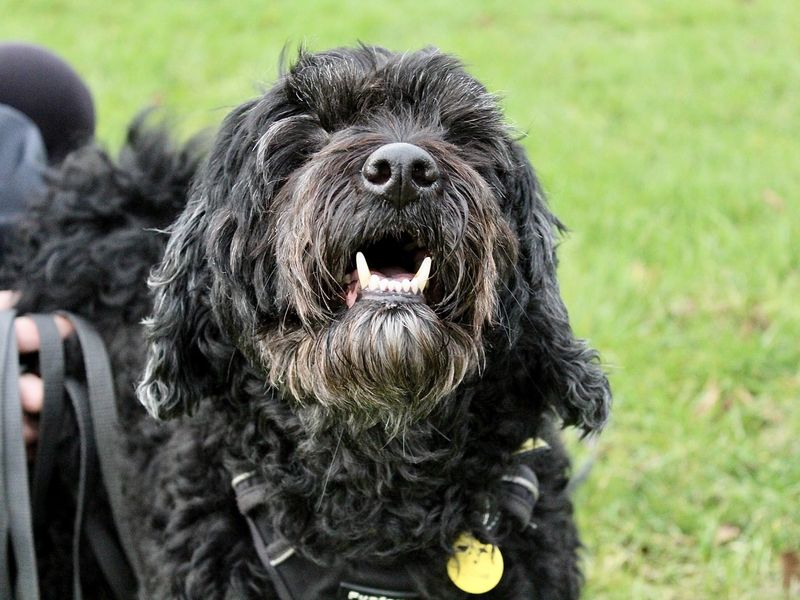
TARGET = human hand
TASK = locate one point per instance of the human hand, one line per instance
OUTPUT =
(31, 386)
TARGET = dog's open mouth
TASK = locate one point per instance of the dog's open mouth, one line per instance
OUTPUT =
(389, 269)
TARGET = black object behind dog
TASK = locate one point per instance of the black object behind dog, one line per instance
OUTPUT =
(372, 330)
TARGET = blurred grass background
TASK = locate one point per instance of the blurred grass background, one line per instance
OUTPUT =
(667, 136)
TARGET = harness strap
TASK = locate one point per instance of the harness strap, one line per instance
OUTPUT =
(298, 578)
(520, 486)
(519, 494)
(275, 555)
(15, 508)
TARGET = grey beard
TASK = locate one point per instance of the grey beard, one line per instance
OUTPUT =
(380, 363)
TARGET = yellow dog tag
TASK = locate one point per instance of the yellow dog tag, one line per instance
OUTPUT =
(475, 568)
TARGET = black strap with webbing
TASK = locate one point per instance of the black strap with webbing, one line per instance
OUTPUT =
(92, 407)
(51, 369)
(103, 407)
(296, 577)
(17, 569)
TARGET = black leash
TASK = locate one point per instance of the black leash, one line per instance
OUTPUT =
(103, 409)
(93, 408)
(15, 506)
(51, 369)
(581, 474)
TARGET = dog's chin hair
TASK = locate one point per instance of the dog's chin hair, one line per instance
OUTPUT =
(386, 364)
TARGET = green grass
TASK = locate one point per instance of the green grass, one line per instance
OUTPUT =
(667, 135)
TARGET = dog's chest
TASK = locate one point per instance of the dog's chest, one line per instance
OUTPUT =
(369, 529)
(347, 575)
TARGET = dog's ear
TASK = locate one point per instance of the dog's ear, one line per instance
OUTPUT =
(185, 346)
(190, 351)
(566, 369)
(182, 337)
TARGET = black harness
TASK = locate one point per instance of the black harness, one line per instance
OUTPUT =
(296, 577)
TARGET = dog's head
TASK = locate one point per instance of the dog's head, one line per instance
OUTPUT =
(368, 235)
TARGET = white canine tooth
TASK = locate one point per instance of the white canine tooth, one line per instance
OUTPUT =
(374, 282)
(384, 284)
(415, 286)
(406, 285)
(395, 286)
(423, 273)
(363, 270)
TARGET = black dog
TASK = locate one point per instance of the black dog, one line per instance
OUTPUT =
(380, 419)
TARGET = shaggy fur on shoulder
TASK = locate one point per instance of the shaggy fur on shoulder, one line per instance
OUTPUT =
(382, 421)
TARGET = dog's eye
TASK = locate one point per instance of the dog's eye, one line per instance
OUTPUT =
(292, 139)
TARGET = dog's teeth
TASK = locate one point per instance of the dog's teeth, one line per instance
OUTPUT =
(363, 270)
(376, 283)
(423, 272)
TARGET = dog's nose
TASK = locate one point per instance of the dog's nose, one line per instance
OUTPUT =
(399, 172)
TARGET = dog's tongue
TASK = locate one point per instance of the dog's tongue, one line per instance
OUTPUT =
(386, 272)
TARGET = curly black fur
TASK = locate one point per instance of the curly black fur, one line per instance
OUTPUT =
(253, 354)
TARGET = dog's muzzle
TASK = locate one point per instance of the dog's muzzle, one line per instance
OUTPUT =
(394, 270)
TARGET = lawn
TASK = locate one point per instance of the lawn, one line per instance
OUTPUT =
(666, 134)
